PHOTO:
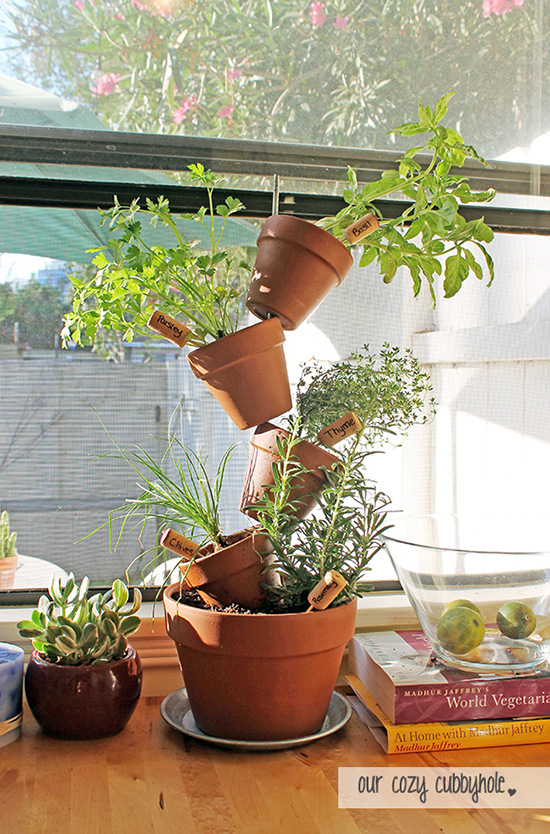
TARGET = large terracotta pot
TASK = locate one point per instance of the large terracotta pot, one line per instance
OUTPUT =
(246, 372)
(232, 574)
(258, 676)
(297, 264)
(83, 702)
(260, 470)
(8, 567)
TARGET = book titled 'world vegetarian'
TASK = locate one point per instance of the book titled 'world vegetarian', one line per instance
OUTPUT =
(411, 686)
(439, 735)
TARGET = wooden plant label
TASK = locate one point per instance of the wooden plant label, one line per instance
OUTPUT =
(361, 228)
(168, 327)
(174, 541)
(326, 590)
(341, 428)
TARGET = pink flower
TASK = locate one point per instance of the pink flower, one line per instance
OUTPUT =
(79, 4)
(186, 104)
(317, 13)
(225, 111)
(106, 84)
(340, 22)
(499, 7)
(232, 74)
(120, 16)
(140, 7)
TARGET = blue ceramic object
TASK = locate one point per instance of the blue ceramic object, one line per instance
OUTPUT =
(12, 660)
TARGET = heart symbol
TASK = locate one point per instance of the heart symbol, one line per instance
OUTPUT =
(511, 791)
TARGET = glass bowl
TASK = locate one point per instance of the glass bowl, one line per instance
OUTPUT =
(434, 572)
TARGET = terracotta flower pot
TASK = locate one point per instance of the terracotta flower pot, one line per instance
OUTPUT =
(232, 574)
(260, 469)
(297, 264)
(258, 676)
(246, 372)
(8, 567)
(83, 702)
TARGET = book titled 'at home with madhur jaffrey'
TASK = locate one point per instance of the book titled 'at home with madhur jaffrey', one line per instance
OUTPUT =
(399, 670)
(440, 735)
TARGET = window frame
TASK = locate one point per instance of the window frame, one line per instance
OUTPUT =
(137, 152)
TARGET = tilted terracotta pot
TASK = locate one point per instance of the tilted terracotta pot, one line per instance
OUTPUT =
(297, 264)
(246, 372)
(260, 469)
(8, 567)
(83, 702)
(232, 574)
(258, 676)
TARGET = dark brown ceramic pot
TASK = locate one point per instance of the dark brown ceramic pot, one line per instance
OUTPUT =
(232, 574)
(246, 372)
(259, 474)
(297, 264)
(83, 702)
(258, 676)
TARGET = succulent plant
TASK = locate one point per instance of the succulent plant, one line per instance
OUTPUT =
(7, 539)
(72, 630)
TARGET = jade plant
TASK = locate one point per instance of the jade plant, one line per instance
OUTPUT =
(8, 539)
(71, 629)
(430, 236)
(201, 289)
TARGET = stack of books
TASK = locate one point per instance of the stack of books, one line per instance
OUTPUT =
(413, 703)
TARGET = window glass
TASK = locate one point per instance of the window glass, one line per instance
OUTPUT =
(328, 73)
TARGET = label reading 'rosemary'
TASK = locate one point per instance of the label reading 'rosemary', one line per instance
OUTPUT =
(168, 327)
(361, 228)
(340, 429)
(174, 541)
(326, 590)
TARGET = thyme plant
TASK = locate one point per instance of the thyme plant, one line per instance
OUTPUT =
(202, 289)
(430, 231)
(388, 392)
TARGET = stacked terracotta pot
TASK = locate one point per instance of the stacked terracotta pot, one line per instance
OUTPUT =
(262, 676)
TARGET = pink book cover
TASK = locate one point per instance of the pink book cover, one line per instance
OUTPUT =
(401, 672)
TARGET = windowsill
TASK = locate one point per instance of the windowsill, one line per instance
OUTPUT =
(161, 672)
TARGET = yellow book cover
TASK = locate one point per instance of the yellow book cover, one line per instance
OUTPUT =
(453, 735)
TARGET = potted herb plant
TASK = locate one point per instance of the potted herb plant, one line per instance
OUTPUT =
(83, 679)
(179, 495)
(430, 232)
(271, 675)
(8, 553)
(190, 296)
(385, 393)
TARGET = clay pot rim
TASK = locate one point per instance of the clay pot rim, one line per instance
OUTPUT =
(209, 613)
(248, 558)
(314, 448)
(41, 659)
(325, 238)
(214, 352)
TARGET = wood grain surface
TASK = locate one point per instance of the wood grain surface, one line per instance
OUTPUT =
(150, 778)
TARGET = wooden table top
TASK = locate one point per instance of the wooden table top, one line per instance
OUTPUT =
(150, 778)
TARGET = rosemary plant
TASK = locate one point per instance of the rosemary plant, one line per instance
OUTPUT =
(388, 393)
(430, 231)
(203, 290)
(342, 534)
